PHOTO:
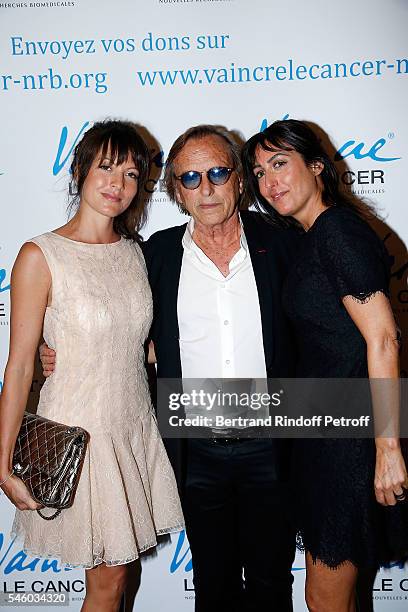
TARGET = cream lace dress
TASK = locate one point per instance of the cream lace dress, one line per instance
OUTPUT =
(97, 321)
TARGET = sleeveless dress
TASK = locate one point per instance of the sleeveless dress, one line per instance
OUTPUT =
(338, 516)
(98, 318)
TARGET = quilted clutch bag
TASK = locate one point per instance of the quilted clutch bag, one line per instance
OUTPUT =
(48, 457)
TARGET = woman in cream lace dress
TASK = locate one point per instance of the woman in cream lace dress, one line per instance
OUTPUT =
(91, 302)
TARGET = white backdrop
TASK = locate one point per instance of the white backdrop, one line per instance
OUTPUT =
(170, 64)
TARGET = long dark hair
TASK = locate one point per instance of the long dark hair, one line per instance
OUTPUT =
(288, 135)
(122, 140)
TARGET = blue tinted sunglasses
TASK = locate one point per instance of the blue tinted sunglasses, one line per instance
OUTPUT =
(218, 175)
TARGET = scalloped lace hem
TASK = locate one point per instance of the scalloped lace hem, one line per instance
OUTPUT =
(364, 298)
(335, 563)
(330, 563)
(97, 560)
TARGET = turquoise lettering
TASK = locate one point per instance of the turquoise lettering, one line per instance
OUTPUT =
(176, 561)
(51, 564)
(16, 563)
(356, 150)
(58, 163)
(6, 288)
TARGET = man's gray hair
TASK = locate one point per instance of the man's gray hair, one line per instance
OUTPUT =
(233, 145)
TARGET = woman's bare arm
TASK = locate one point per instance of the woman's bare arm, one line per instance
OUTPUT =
(30, 287)
(376, 323)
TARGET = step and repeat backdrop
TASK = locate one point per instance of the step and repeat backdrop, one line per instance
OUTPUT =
(168, 65)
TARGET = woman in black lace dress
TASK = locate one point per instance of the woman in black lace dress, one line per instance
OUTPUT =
(351, 492)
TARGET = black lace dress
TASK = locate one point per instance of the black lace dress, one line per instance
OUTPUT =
(338, 517)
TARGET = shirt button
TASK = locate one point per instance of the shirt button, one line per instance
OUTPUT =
(226, 322)
(227, 361)
(223, 286)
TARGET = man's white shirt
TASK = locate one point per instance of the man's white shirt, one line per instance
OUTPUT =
(220, 330)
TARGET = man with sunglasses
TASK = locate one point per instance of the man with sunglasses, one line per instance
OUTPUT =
(216, 284)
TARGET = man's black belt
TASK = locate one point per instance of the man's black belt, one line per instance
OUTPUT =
(226, 437)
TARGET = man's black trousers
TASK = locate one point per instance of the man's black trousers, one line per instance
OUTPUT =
(238, 522)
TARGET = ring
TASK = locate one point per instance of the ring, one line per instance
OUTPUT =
(399, 497)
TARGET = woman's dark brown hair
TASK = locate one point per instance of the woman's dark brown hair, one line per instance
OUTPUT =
(120, 139)
(291, 135)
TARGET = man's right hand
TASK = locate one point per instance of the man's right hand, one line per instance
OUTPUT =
(47, 357)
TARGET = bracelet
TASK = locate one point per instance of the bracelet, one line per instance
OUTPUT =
(6, 479)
